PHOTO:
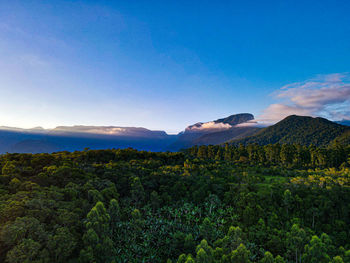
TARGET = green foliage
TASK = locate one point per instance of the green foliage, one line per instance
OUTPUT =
(207, 229)
(299, 130)
(268, 258)
(337, 259)
(137, 191)
(26, 251)
(61, 245)
(316, 251)
(240, 255)
(251, 203)
(296, 240)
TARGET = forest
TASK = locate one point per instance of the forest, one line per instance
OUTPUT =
(245, 203)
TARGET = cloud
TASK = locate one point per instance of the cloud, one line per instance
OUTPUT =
(325, 95)
(209, 125)
(252, 123)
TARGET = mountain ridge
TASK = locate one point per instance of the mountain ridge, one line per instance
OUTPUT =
(298, 129)
(235, 129)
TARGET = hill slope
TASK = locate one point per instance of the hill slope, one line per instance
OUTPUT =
(224, 136)
(298, 129)
(344, 138)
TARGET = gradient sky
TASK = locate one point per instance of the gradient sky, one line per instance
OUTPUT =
(167, 64)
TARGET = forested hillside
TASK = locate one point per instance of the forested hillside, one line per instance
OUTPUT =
(344, 138)
(270, 203)
(299, 130)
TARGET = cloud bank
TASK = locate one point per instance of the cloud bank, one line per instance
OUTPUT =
(211, 125)
(252, 123)
(326, 96)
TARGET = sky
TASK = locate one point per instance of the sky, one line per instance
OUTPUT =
(165, 65)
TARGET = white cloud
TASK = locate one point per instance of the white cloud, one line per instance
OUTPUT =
(209, 125)
(326, 96)
(252, 123)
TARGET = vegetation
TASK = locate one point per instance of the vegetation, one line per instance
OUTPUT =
(299, 130)
(344, 138)
(274, 203)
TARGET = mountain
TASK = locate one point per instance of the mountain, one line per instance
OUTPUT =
(224, 136)
(237, 128)
(344, 122)
(79, 137)
(108, 130)
(66, 138)
(216, 132)
(33, 146)
(220, 124)
(298, 129)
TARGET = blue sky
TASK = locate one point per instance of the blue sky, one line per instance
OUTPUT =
(167, 64)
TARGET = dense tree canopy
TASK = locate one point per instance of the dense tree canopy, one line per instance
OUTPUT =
(273, 203)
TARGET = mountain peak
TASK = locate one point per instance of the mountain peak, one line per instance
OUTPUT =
(220, 124)
(236, 118)
(304, 130)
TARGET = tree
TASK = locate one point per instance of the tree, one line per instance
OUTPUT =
(240, 255)
(268, 258)
(14, 185)
(137, 191)
(315, 251)
(97, 239)
(61, 244)
(189, 243)
(337, 259)
(203, 257)
(347, 256)
(95, 196)
(9, 168)
(114, 213)
(202, 152)
(287, 200)
(296, 239)
(136, 222)
(232, 240)
(227, 153)
(26, 251)
(287, 154)
(23, 228)
(279, 259)
(204, 252)
(207, 230)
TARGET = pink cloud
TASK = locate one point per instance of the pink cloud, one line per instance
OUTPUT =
(325, 95)
(276, 112)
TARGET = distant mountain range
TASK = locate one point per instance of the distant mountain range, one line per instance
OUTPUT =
(80, 137)
(235, 129)
(344, 122)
